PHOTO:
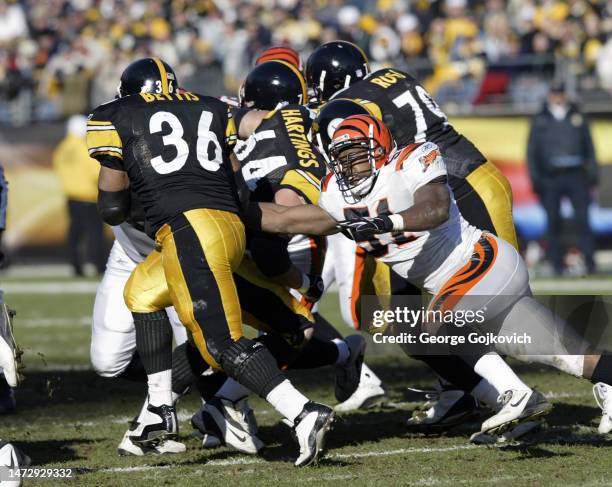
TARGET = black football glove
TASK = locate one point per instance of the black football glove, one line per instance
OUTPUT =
(315, 288)
(364, 228)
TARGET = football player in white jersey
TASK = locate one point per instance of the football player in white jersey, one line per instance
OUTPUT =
(399, 198)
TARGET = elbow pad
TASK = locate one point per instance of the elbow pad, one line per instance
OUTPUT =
(114, 206)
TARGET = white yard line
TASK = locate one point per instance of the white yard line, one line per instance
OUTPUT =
(51, 287)
(51, 322)
(257, 461)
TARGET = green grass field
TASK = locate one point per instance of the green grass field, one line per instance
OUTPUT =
(69, 417)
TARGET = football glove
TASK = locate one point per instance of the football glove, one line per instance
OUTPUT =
(364, 228)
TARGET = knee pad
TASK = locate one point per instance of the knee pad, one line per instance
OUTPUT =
(251, 364)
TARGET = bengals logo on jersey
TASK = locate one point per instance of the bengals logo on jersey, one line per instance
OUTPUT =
(429, 158)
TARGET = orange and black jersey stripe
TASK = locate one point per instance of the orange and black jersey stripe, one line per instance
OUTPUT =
(462, 281)
(174, 147)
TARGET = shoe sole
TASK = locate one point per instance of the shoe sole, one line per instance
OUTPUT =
(320, 441)
(441, 426)
(369, 403)
(155, 440)
(536, 412)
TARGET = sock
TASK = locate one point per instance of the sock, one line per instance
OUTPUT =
(154, 346)
(287, 400)
(486, 394)
(603, 369)
(232, 390)
(499, 374)
(160, 388)
(343, 351)
(154, 340)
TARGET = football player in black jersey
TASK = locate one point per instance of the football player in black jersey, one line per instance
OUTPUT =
(173, 149)
(279, 164)
(339, 70)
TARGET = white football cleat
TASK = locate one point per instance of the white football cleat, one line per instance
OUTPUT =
(221, 421)
(444, 409)
(517, 406)
(310, 428)
(603, 396)
(13, 459)
(155, 425)
(369, 393)
(10, 354)
(128, 447)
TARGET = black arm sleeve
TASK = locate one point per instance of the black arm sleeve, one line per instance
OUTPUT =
(114, 206)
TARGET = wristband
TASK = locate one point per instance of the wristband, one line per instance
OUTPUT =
(398, 222)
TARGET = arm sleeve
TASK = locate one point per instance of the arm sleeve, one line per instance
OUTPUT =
(103, 141)
(3, 198)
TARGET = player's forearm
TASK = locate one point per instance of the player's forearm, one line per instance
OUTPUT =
(302, 219)
(425, 215)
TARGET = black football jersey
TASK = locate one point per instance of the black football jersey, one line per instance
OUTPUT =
(413, 116)
(279, 154)
(175, 149)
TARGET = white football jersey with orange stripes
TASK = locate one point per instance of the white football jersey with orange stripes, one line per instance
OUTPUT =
(426, 259)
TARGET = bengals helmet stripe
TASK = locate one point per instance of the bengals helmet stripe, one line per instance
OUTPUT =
(280, 54)
(365, 126)
(163, 75)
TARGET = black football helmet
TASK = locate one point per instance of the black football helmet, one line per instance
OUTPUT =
(147, 75)
(330, 116)
(333, 66)
(271, 83)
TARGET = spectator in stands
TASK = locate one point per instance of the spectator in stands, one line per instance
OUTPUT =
(562, 163)
(78, 175)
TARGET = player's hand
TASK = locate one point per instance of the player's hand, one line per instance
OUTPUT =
(313, 288)
(364, 228)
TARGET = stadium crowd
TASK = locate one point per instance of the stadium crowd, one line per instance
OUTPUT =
(466, 51)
